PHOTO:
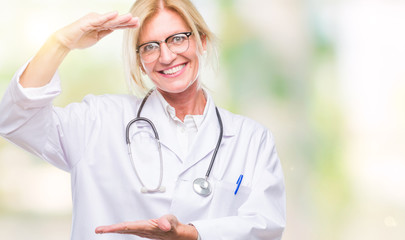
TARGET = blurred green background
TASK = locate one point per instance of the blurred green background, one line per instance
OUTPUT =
(326, 77)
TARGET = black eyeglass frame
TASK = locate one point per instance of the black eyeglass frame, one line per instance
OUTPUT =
(188, 34)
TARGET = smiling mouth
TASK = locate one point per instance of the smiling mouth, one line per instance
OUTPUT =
(173, 70)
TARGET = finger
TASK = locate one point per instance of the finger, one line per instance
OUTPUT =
(112, 228)
(132, 21)
(164, 224)
(125, 227)
(121, 21)
(102, 19)
(124, 17)
(124, 27)
(167, 222)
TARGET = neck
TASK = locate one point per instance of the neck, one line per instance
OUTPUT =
(190, 102)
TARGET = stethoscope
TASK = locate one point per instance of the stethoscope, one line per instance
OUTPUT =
(200, 185)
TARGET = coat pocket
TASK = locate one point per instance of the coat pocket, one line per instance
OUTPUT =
(226, 202)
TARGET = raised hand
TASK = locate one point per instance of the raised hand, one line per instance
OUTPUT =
(83, 33)
(89, 29)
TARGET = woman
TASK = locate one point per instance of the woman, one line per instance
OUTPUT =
(242, 195)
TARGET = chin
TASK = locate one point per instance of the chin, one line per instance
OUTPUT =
(177, 87)
(174, 88)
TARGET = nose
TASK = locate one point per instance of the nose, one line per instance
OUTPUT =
(166, 56)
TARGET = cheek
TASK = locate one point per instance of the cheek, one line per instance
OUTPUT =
(146, 67)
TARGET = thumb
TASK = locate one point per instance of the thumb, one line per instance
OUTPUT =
(167, 223)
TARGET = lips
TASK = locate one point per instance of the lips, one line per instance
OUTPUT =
(173, 70)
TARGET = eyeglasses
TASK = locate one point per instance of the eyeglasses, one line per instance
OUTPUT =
(177, 43)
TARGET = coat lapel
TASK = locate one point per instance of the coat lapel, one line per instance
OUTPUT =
(207, 137)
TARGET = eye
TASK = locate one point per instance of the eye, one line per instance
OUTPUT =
(177, 39)
(150, 47)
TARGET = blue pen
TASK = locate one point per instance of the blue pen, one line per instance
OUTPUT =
(238, 183)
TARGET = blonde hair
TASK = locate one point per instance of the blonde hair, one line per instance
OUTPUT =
(146, 9)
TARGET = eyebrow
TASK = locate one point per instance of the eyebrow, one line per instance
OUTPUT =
(158, 41)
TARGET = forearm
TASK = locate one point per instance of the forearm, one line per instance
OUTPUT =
(43, 66)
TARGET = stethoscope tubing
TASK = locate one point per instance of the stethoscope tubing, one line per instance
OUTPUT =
(221, 133)
(144, 189)
(203, 186)
(136, 120)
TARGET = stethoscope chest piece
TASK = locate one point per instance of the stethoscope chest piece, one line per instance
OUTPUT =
(202, 187)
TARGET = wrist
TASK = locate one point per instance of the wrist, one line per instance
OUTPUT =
(196, 235)
(187, 232)
(56, 42)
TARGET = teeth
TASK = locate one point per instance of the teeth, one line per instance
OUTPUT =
(174, 70)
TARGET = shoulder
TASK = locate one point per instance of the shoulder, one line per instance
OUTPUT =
(110, 100)
(95, 106)
(239, 124)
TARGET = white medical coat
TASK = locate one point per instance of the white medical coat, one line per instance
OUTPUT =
(87, 139)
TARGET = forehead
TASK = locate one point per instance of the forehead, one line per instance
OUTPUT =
(163, 24)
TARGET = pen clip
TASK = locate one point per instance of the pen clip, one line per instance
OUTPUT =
(238, 183)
